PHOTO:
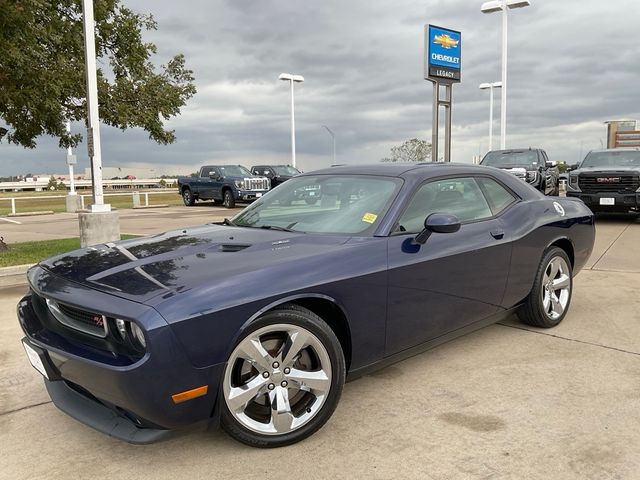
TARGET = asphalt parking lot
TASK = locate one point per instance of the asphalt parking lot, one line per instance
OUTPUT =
(505, 402)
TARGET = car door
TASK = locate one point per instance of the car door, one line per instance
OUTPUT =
(215, 184)
(453, 279)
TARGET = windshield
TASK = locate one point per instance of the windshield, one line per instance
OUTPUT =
(340, 204)
(234, 171)
(286, 171)
(497, 159)
(621, 158)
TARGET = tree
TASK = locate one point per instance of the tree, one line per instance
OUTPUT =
(42, 71)
(413, 150)
(53, 183)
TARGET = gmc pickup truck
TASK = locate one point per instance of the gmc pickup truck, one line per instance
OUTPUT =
(530, 165)
(226, 184)
(608, 180)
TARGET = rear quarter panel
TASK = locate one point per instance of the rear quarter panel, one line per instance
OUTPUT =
(536, 224)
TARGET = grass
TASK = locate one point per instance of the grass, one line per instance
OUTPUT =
(58, 204)
(32, 252)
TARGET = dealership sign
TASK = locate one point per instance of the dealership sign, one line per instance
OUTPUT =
(443, 54)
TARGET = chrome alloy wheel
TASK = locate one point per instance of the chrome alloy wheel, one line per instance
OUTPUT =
(556, 286)
(277, 379)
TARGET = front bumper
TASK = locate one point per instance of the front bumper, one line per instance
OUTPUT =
(132, 402)
(613, 202)
(248, 195)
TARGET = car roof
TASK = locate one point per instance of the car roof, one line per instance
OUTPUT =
(405, 170)
(515, 150)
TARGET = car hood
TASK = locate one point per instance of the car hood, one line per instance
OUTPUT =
(178, 261)
(607, 170)
(509, 166)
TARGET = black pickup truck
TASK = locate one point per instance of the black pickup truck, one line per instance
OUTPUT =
(226, 184)
(608, 180)
(277, 174)
(530, 165)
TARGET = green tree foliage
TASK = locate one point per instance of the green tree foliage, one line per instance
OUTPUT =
(53, 183)
(413, 150)
(42, 71)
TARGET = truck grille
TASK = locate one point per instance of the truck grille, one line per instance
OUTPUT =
(92, 323)
(608, 182)
(521, 173)
(256, 184)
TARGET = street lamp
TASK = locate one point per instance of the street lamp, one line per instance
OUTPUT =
(292, 79)
(490, 87)
(333, 137)
(496, 6)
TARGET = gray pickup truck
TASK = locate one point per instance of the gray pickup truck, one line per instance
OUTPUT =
(608, 180)
(226, 184)
(530, 165)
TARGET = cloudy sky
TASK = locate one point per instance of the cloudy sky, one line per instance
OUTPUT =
(572, 65)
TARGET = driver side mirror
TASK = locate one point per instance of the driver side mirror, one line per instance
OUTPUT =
(550, 163)
(572, 167)
(438, 223)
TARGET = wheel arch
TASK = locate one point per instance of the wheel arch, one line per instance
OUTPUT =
(326, 307)
(566, 245)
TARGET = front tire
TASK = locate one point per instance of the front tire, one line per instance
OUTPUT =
(188, 198)
(228, 200)
(550, 297)
(283, 380)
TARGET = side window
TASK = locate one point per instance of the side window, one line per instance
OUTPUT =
(499, 197)
(461, 197)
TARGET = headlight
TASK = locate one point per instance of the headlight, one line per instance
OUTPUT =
(532, 176)
(131, 333)
(138, 335)
(122, 328)
(573, 182)
(239, 183)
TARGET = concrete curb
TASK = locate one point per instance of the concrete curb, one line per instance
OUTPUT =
(31, 214)
(14, 275)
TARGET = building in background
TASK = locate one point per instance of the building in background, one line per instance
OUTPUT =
(109, 173)
(622, 133)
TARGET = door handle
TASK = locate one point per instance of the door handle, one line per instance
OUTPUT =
(497, 234)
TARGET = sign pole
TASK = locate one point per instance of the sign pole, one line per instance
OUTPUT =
(435, 122)
(447, 123)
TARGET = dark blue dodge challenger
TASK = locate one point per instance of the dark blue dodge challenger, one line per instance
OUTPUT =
(256, 322)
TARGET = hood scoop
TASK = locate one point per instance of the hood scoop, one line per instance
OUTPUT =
(232, 247)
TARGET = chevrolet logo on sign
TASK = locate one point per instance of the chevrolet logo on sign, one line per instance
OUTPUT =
(445, 41)
(608, 179)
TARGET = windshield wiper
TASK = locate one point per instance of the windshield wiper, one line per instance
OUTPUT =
(275, 227)
(226, 221)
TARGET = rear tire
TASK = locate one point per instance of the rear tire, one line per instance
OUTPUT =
(187, 197)
(283, 380)
(550, 297)
(228, 200)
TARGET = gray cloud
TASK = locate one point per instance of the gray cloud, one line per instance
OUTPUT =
(572, 65)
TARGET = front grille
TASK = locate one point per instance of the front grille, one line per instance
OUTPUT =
(608, 183)
(82, 320)
(256, 184)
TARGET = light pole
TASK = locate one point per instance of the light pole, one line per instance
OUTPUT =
(491, 7)
(333, 137)
(490, 87)
(71, 161)
(292, 79)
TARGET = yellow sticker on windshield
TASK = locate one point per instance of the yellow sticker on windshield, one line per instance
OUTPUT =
(369, 217)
